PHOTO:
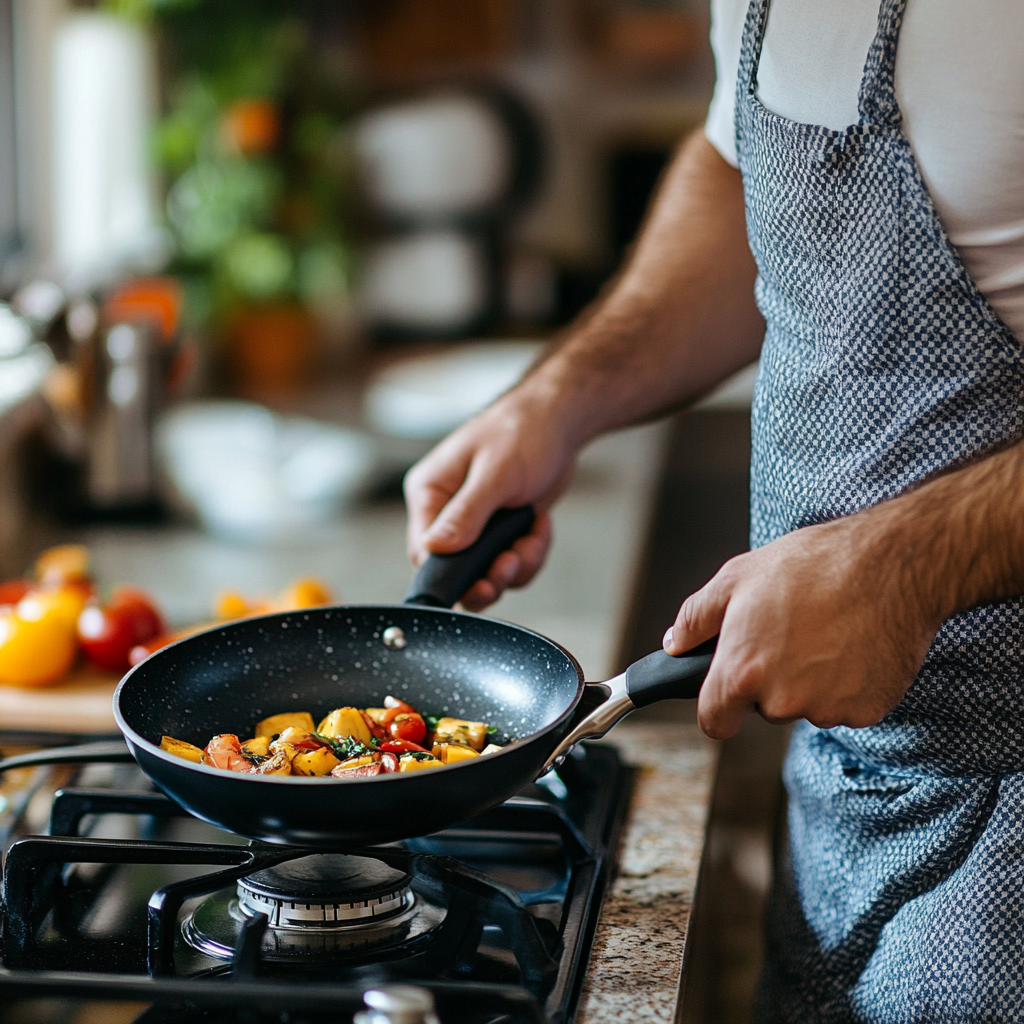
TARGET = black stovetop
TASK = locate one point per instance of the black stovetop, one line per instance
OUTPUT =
(496, 917)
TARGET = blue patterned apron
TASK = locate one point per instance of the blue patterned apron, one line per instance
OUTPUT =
(902, 896)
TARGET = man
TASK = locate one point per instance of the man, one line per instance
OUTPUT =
(879, 203)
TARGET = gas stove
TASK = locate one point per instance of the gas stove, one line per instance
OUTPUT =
(131, 903)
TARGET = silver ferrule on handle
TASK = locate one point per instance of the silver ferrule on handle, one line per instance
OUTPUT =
(609, 712)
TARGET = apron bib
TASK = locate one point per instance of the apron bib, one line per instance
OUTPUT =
(903, 896)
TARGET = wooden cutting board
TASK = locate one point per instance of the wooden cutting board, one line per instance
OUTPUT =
(80, 704)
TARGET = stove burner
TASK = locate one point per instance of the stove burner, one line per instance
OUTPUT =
(320, 907)
(325, 890)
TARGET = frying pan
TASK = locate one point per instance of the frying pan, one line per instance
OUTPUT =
(441, 661)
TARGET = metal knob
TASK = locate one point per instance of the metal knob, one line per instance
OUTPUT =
(397, 1004)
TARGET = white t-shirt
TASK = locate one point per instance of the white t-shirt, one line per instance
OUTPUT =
(960, 86)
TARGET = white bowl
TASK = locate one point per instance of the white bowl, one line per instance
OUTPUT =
(429, 396)
(252, 475)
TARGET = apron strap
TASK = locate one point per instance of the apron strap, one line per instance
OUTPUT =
(876, 102)
(750, 50)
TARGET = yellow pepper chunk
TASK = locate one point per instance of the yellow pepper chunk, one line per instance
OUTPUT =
(258, 747)
(450, 753)
(357, 762)
(286, 750)
(460, 730)
(413, 764)
(345, 722)
(314, 762)
(179, 748)
(276, 724)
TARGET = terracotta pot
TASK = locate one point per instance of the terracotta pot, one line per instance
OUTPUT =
(271, 348)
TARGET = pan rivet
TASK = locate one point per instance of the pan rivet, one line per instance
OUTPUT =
(394, 638)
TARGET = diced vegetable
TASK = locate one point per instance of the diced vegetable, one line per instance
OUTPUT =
(355, 762)
(359, 771)
(224, 751)
(299, 738)
(491, 748)
(276, 724)
(408, 763)
(257, 747)
(349, 743)
(450, 753)
(345, 722)
(459, 730)
(179, 748)
(276, 764)
(403, 747)
(408, 726)
(378, 732)
(315, 762)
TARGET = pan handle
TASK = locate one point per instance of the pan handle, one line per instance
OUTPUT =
(442, 579)
(659, 676)
(113, 752)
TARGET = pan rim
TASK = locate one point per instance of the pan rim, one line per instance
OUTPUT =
(153, 750)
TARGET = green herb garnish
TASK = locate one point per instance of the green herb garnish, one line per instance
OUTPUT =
(344, 747)
(431, 721)
(491, 730)
(255, 759)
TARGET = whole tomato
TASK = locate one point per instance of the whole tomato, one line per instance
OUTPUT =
(34, 650)
(107, 633)
(140, 608)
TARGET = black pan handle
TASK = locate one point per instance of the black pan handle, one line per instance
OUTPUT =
(662, 676)
(442, 579)
(114, 752)
(659, 676)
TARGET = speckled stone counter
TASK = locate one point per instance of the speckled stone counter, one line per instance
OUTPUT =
(636, 963)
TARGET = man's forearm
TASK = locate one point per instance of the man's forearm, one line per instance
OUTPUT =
(678, 319)
(961, 535)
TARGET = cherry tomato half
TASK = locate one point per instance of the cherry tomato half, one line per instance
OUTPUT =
(409, 727)
(389, 763)
(399, 705)
(402, 747)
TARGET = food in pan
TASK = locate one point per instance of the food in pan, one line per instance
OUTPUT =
(349, 743)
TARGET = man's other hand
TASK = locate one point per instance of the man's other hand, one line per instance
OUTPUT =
(824, 624)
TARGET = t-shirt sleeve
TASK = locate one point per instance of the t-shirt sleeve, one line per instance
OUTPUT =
(727, 18)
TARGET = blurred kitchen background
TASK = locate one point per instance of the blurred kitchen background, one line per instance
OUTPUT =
(256, 258)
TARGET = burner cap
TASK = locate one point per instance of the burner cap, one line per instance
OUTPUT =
(325, 890)
(327, 878)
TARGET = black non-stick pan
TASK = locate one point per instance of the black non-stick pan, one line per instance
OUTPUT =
(443, 662)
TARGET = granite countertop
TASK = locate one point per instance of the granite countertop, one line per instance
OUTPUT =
(636, 965)
(582, 600)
